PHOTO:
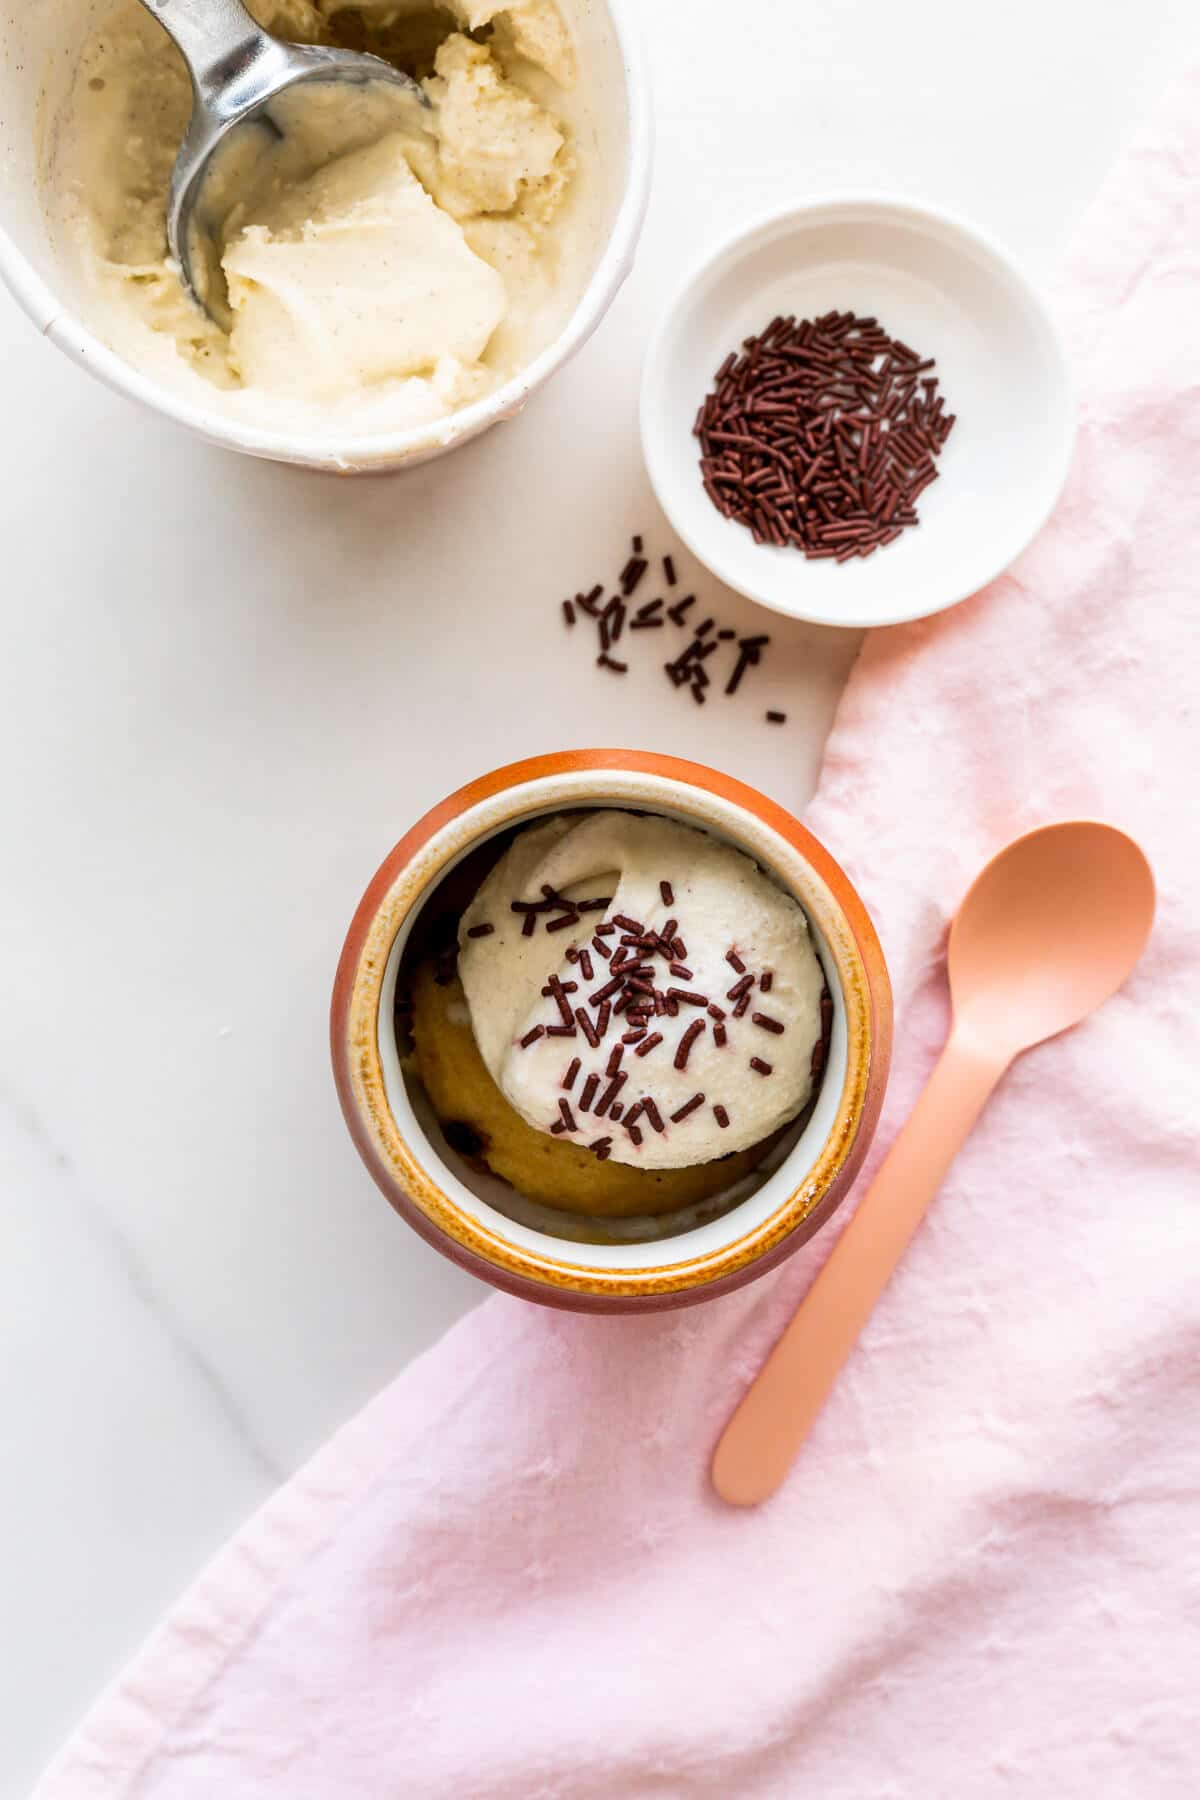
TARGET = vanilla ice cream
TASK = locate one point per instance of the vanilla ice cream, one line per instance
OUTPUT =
(640, 988)
(385, 264)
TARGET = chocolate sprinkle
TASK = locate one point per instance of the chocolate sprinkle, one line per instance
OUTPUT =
(759, 1066)
(588, 1029)
(776, 718)
(667, 892)
(589, 1093)
(653, 1114)
(609, 1095)
(689, 1106)
(573, 1068)
(478, 931)
(722, 1117)
(689, 1037)
(765, 980)
(735, 961)
(649, 1044)
(532, 1036)
(766, 1023)
(568, 1117)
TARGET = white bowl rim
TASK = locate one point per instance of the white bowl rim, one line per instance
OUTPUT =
(845, 201)
(375, 450)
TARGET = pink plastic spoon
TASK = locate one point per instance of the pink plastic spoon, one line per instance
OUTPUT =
(1049, 930)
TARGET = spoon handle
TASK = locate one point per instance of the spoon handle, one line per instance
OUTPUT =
(774, 1416)
(207, 31)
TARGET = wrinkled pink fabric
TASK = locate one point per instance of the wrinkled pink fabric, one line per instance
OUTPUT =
(508, 1577)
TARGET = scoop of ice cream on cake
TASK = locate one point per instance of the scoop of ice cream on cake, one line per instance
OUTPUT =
(642, 989)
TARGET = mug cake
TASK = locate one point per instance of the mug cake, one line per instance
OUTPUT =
(611, 1030)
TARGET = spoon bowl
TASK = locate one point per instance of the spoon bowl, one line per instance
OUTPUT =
(240, 75)
(1047, 932)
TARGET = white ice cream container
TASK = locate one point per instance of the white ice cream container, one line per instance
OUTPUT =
(610, 114)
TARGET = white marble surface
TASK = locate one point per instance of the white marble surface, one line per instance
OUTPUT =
(226, 688)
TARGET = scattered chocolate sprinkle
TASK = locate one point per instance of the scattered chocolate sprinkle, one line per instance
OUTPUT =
(529, 925)
(603, 1018)
(557, 1128)
(742, 1004)
(735, 961)
(568, 612)
(653, 1114)
(635, 1112)
(563, 922)
(684, 1049)
(765, 980)
(567, 1116)
(532, 1036)
(601, 948)
(776, 718)
(614, 1061)
(719, 1036)
(667, 892)
(601, 1149)
(573, 1068)
(597, 905)
(605, 661)
(602, 993)
(675, 613)
(605, 930)
(740, 987)
(634, 1133)
(637, 544)
(689, 1106)
(628, 924)
(634, 1037)
(722, 1117)
(687, 995)
(588, 1029)
(649, 1044)
(716, 1012)
(669, 570)
(632, 573)
(681, 970)
(765, 1022)
(614, 1112)
(589, 1093)
(478, 931)
(759, 1066)
(583, 957)
(561, 1031)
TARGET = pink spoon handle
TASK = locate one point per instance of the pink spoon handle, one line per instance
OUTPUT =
(774, 1417)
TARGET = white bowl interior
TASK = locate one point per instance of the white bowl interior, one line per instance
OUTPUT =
(669, 1245)
(947, 293)
(609, 115)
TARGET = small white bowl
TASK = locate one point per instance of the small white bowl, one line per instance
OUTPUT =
(940, 287)
(611, 116)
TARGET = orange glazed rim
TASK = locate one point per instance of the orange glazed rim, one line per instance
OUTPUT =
(754, 1235)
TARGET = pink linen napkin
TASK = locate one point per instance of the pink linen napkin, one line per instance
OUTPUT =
(508, 1578)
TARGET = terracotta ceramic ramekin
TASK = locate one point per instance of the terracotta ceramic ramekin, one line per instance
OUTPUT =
(417, 1176)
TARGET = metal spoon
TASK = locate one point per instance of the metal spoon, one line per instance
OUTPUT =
(1050, 929)
(237, 71)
